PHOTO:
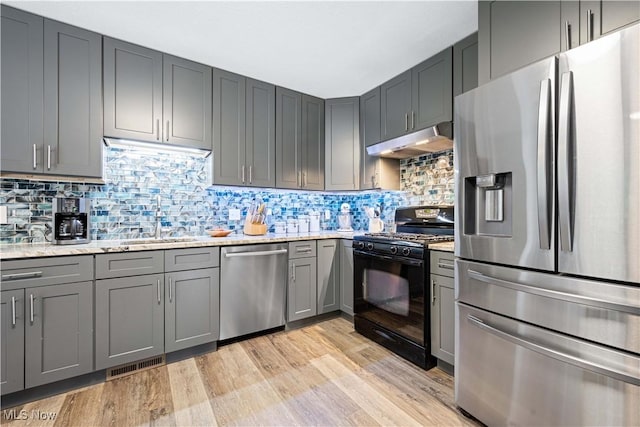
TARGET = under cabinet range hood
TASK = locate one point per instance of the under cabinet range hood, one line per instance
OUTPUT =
(430, 140)
(154, 147)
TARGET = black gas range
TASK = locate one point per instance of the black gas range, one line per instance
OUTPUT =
(391, 275)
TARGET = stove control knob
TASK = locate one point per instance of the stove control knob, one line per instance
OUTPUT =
(370, 246)
(406, 251)
(394, 249)
(360, 245)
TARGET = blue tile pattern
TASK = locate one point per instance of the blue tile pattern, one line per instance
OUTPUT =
(124, 207)
(428, 179)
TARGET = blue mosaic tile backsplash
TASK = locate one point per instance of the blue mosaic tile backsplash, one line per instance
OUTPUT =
(125, 206)
(428, 179)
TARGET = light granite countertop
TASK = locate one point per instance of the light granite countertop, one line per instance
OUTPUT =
(35, 250)
(442, 246)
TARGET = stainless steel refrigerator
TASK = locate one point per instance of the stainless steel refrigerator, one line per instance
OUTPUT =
(547, 164)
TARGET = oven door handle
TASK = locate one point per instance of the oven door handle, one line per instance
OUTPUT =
(406, 261)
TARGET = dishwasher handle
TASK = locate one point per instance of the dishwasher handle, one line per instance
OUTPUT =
(255, 253)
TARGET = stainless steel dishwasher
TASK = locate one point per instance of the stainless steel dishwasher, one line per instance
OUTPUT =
(253, 281)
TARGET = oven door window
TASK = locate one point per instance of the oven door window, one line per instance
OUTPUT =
(390, 292)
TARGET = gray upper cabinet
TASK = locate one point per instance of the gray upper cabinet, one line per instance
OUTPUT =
(244, 130)
(192, 301)
(187, 103)
(375, 172)
(72, 100)
(570, 24)
(153, 97)
(513, 34)
(299, 140)
(12, 341)
(132, 91)
(22, 91)
(598, 18)
(465, 64)
(395, 101)
(342, 144)
(346, 276)
(58, 332)
(431, 86)
(328, 276)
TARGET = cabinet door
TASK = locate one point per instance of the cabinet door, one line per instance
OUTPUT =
(431, 91)
(465, 64)
(512, 34)
(346, 277)
(132, 91)
(191, 310)
(12, 341)
(288, 138)
(228, 128)
(328, 276)
(395, 104)
(22, 91)
(598, 18)
(187, 103)
(129, 319)
(369, 135)
(261, 134)
(312, 152)
(301, 294)
(442, 318)
(72, 100)
(570, 24)
(342, 144)
(58, 332)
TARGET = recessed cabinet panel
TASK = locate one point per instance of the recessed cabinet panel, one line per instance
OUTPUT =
(301, 296)
(395, 99)
(12, 341)
(342, 145)
(465, 64)
(288, 138)
(312, 151)
(432, 93)
(261, 133)
(328, 276)
(346, 276)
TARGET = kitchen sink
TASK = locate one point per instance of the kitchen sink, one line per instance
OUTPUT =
(156, 241)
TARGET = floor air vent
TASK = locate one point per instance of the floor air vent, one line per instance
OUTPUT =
(130, 368)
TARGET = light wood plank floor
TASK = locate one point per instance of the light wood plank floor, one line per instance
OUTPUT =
(324, 374)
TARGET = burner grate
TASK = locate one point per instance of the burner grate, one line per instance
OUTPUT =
(411, 237)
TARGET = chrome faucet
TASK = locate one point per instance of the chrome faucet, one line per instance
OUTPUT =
(158, 231)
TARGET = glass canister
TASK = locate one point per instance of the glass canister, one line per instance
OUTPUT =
(280, 227)
(292, 226)
(303, 224)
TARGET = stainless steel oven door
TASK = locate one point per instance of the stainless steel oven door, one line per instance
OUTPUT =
(389, 291)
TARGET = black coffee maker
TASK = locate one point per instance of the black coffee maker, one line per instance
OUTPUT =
(70, 221)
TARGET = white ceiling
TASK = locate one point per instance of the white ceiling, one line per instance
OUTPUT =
(324, 48)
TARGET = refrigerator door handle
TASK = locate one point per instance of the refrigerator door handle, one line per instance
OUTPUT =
(555, 354)
(544, 134)
(564, 161)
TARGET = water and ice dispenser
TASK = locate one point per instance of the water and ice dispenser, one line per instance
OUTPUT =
(488, 205)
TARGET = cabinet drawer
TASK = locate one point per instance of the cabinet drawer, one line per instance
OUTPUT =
(191, 259)
(46, 271)
(302, 249)
(129, 264)
(442, 263)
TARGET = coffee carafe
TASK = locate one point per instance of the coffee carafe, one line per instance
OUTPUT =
(345, 217)
(70, 221)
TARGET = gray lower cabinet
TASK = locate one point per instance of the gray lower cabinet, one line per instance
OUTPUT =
(244, 130)
(22, 91)
(12, 341)
(465, 64)
(300, 153)
(72, 100)
(58, 332)
(302, 288)
(192, 301)
(328, 257)
(346, 276)
(342, 144)
(129, 319)
(442, 306)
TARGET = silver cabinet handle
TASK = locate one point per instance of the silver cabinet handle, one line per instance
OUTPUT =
(445, 266)
(304, 250)
(433, 292)
(242, 173)
(567, 35)
(158, 290)
(31, 308)
(35, 155)
(158, 129)
(413, 119)
(170, 291)
(250, 174)
(28, 275)
(406, 121)
(167, 135)
(255, 253)
(48, 157)
(304, 177)
(545, 129)
(13, 311)
(564, 161)
(555, 354)
(589, 25)
(293, 271)
(299, 178)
